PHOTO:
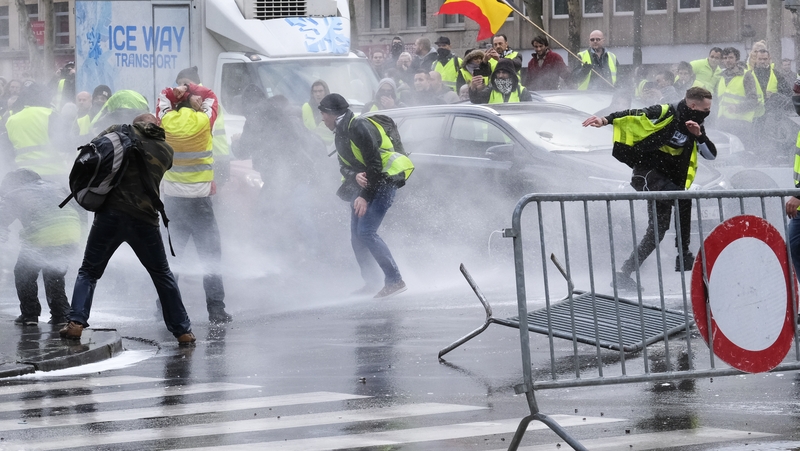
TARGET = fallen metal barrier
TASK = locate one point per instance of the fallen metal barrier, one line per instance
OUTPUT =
(615, 330)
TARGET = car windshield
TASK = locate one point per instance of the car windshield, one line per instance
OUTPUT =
(560, 131)
(353, 78)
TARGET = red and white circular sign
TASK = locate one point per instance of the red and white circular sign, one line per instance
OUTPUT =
(748, 294)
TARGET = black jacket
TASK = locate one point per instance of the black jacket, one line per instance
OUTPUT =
(674, 167)
(365, 135)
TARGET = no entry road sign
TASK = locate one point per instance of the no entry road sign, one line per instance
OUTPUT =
(745, 296)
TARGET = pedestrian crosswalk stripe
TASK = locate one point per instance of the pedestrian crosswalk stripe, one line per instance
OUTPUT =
(416, 435)
(79, 383)
(241, 426)
(96, 398)
(657, 440)
(180, 409)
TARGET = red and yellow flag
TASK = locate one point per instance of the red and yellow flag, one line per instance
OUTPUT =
(490, 14)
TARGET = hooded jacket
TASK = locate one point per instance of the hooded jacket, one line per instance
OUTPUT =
(375, 104)
(484, 94)
(131, 196)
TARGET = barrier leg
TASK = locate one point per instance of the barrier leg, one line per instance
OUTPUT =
(549, 422)
(464, 339)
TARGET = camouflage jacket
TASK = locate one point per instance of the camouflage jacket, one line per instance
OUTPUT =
(130, 196)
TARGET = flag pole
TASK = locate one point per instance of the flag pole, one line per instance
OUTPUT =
(551, 38)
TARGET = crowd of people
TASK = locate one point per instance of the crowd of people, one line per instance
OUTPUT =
(188, 154)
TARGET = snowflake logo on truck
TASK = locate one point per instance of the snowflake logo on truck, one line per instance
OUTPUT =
(323, 34)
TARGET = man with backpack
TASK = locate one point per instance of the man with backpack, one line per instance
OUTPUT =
(128, 214)
(372, 171)
(188, 114)
(661, 144)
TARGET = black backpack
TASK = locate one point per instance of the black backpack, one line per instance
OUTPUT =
(391, 131)
(99, 168)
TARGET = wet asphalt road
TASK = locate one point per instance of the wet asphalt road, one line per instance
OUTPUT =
(329, 372)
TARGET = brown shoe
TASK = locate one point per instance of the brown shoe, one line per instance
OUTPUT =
(71, 331)
(186, 339)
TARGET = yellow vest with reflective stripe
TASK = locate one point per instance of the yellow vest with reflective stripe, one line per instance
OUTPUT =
(468, 76)
(188, 133)
(219, 142)
(449, 71)
(62, 228)
(797, 164)
(733, 93)
(587, 59)
(28, 131)
(497, 96)
(630, 130)
(393, 162)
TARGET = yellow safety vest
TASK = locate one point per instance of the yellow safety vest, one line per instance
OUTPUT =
(630, 130)
(640, 88)
(84, 124)
(797, 163)
(59, 93)
(318, 128)
(704, 75)
(219, 143)
(511, 56)
(28, 131)
(497, 97)
(393, 162)
(587, 59)
(468, 76)
(61, 228)
(188, 133)
(449, 71)
(733, 93)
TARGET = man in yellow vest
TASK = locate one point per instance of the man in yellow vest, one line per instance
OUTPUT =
(221, 147)
(48, 240)
(500, 50)
(596, 60)
(770, 81)
(83, 100)
(793, 203)
(187, 114)
(65, 89)
(448, 64)
(707, 70)
(30, 130)
(503, 87)
(741, 99)
(371, 173)
(661, 144)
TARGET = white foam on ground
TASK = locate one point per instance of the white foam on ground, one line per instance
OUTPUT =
(123, 360)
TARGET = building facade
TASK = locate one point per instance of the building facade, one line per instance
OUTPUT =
(674, 30)
(14, 57)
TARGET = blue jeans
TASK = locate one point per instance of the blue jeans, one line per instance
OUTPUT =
(794, 242)
(365, 240)
(194, 218)
(109, 230)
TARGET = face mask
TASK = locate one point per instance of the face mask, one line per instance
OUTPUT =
(471, 67)
(397, 48)
(688, 114)
(503, 85)
(443, 53)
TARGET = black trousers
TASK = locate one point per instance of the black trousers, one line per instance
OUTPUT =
(52, 263)
(653, 180)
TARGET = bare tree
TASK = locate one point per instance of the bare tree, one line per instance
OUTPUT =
(774, 23)
(637, 33)
(796, 22)
(34, 54)
(575, 19)
(48, 59)
(353, 24)
(535, 11)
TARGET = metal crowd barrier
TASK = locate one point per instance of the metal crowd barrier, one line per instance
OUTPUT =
(616, 332)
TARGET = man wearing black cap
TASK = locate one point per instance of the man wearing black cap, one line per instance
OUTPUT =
(100, 96)
(368, 187)
(448, 64)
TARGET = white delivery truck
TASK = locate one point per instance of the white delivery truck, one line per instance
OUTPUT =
(282, 46)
